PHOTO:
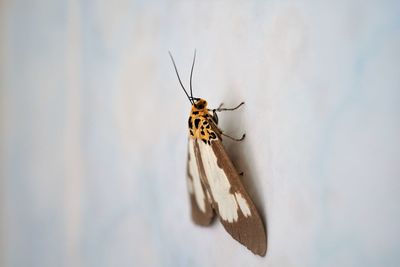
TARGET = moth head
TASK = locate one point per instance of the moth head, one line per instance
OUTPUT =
(200, 104)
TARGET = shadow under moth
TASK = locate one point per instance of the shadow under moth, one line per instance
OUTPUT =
(213, 183)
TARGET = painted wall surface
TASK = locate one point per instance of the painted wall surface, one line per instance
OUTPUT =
(94, 135)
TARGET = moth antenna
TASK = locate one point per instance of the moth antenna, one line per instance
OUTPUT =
(191, 73)
(177, 74)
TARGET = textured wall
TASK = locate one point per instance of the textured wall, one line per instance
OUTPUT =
(93, 130)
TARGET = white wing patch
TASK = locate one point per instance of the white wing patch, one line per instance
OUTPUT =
(195, 186)
(228, 203)
(244, 207)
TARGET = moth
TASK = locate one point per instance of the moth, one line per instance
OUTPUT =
(213, 183)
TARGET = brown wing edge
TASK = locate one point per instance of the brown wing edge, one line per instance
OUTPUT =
(198, 216)
(249, 231)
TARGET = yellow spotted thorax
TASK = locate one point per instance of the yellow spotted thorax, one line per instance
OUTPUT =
(200, 122)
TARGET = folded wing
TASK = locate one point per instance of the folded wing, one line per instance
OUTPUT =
(202, 212)
(229, 198)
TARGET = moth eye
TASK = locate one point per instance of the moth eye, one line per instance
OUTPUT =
(215, 117)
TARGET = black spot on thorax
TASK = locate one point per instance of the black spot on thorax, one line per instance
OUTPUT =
(196, 123)
(190, 123)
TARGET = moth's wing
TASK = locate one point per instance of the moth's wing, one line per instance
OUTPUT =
(233, 205)
(202, 212)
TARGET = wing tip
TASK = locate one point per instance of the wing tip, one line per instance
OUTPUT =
(258, 246)
(201, 220)
(260, 251)
(250, 232)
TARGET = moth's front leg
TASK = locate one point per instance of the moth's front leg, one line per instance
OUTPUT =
(220, 108)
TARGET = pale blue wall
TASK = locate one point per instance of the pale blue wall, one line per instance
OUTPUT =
(93, 130)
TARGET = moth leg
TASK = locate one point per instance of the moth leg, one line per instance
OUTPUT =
(216, 109)
(220, 133)
(233, 138)
(220, 108)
